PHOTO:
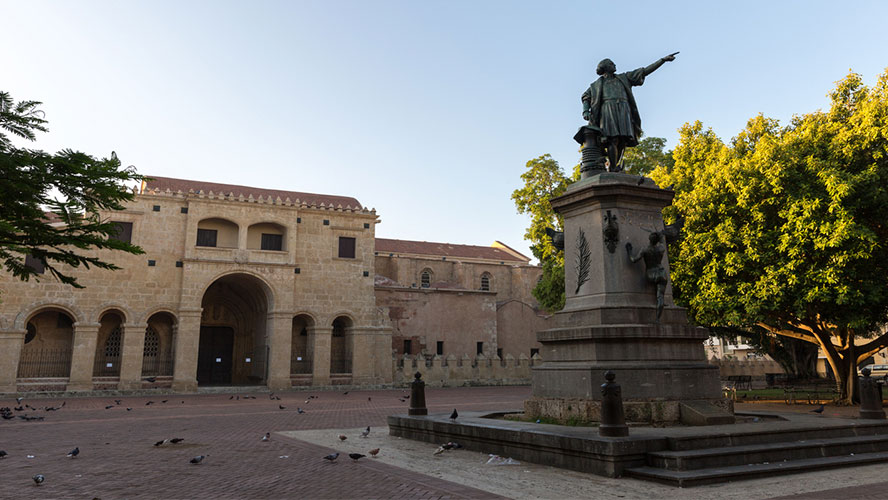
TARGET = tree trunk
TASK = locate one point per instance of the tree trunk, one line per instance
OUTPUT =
(845, 370)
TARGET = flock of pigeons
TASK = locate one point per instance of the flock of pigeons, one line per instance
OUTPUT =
(7, 414)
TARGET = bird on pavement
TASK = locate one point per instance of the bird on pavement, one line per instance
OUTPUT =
(356, 456)
(73, 453)
(365, 432)
(18, 401)
(439, 451)
(165, 400)
(109, 407)
(282, 407)
(230, 397)
(343, 437)
(177, 440)
(149, 403)
(267, 436)
(818, 410)
(374, 452)
(369, 398)
(345, 393)
(38, 478)
(161, 442)
(332, 457)
(117, 401)
(198, 459)
(129, 409)
(452, 445)
(454, 414)
(3, 453)
(300, 410)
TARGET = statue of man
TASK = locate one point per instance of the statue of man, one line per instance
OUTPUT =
(613, 118)
(654, 270)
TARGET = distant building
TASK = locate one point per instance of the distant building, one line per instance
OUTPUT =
(448, 299)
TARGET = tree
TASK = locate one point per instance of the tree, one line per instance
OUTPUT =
(785, 227)
(51, 202)
(648, 155)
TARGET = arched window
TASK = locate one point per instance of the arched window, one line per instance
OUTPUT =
(485, 282)
(425, 279)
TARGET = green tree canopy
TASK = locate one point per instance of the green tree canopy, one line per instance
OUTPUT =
(648, 155)
(785, 228)
(71, 186)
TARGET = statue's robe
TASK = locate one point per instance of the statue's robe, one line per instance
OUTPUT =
(593, 99)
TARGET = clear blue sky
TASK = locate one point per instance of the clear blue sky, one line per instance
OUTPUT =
(425, 110)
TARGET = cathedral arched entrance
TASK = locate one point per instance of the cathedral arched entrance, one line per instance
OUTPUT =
(233, 344)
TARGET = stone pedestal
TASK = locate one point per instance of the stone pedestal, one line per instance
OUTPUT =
(610, 322)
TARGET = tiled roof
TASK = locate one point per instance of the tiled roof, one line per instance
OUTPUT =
(384, 245)
(164, 183)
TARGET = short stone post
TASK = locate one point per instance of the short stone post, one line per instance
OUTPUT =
(417, 397)
(870, 397)
(613, 421)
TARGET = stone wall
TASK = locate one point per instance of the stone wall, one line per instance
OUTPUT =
(452, 371)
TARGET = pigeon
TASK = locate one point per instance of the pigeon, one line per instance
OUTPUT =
(198, 459)
(369, 398)
(332, 457)
(3, 453)
(365, 432)
(374, 452)
(343, 437)
(439, 451)
(345, 393)
(38, 478)
(267, 436)
(818, 410)
(151, 379)
(161, 442)
(282, 407)
(177, 440)
(19, 408)
(230, 397)
(149, 403)
(454, 414)
(117, 401)
(447, 446)
(109, 407)
(7, 416)
(300, 410)
(129, 409)
(356, 456)
(277, 398)
(407, 396)
(18, 401)
(453, 445)
(402, 400)
(165, 400)
(307, 400)
(74, 453)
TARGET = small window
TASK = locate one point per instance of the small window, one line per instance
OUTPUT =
(124, 231)
(206, 237)
(425, 279)
(346, 247)
(485, 282)
(534, 351)
(440, 348)
(272, 242)
(408, 345)
(480, 348)
(499, 352)
(34, 264)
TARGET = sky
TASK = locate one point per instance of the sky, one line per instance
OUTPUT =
(426, 111)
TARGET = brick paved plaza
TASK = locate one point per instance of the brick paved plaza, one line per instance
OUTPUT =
(118, 458)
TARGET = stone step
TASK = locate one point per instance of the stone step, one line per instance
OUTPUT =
(769, 452)
(739, 472)
(816, 430)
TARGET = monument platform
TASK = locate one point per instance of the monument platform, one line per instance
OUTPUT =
(763, 444)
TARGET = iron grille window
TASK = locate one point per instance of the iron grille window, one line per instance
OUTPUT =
(124, 231)
(425, 279)
(346, 247)
(272, 242)
(152, 343)
(485, 282)
(206, 237)
(112, 345)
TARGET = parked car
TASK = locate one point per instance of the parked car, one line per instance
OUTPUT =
(876, 371)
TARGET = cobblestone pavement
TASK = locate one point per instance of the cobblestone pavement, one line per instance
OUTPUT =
(118, 458)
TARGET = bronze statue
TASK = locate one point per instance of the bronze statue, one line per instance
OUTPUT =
(653, 261)
(614, 122)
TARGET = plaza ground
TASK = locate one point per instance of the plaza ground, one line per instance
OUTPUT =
(118, 458)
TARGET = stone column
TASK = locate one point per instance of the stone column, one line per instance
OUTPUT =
(131, 354)
(11, 342)
(280, 343)
(83, 356)
(187, 344)
(319, 340)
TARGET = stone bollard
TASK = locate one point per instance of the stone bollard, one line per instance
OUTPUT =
(613, 421)
(870, 397)
(417, 397)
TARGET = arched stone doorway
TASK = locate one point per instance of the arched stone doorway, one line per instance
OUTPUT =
(48, 343)
(157, 353)
(109, 345)
(232, 347)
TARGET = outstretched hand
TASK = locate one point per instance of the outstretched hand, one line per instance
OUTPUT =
(670, 57)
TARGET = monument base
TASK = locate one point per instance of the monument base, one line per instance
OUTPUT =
(577, 411)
